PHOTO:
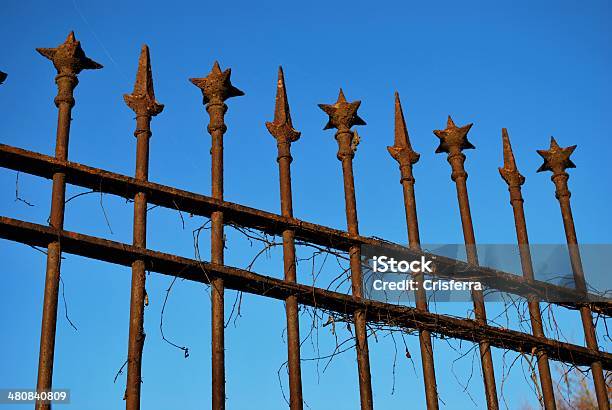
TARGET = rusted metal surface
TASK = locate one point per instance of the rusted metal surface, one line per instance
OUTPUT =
(142, 102)
(342, 116)
(557, 160)
(268, 286)
(216, 87)
(69, 60)
(3, 76)
(453, 140)
(511, 175)
(284, 133)
(406, 157)
(172, 198)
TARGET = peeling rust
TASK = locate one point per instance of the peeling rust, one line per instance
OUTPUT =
(402, 150)
(189, 202)
(282, 129)
(453, 140)
(216, 87)
(342, 116)
(513, 178)
(509, 171)
(269, 286)
(557, 160)
(69, 60)
(406, 157)
(453, 137)
(69, 57)
(142, 102)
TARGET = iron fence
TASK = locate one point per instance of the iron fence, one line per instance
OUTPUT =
(69, 60)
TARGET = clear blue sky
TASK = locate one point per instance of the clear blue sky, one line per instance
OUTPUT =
(537, 68)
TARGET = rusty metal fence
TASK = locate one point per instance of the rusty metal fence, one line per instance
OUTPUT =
(69, 60)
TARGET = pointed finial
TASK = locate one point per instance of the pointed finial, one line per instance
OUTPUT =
(556, 159)
(342, 114)
(142, 100)
(281, 108)
(217, 86)
(402, 150)
(3, 76)
(509, 161)
(453, 137)
(282, 127)
(401, 131)
(509, 172)
(69, 57)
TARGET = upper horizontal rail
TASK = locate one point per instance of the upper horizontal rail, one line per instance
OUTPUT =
(169, 197)
(250, 282)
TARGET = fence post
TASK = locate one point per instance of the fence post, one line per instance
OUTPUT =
(142, 102)
(69, 60)
(342, 116)
(216, 88)
(511, 175)
(406, 157)
(453, 140)
(282, 129)
(557, 160)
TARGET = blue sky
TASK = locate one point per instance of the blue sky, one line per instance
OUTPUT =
(537, 68)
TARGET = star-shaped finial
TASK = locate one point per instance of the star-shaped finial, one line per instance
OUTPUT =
(3, 76)
(509, 172)
(142, 100)
(217, 86)
(282, 127)
(556, 159)
(453, 137)
(69, 57)
(402, 150)
(342, 114)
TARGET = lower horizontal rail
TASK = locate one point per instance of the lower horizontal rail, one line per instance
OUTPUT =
(169, 197)
(242, 280)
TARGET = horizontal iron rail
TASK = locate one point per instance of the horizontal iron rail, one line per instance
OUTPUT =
(172, 198)
(250, 282)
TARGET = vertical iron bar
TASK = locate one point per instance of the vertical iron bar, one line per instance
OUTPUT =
(142, 102)
(216, 88)
(403, 153)
(514, 179)
(452, 141)
(282, 129)
(69, 60)
(557, 160)
(342, 116)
